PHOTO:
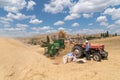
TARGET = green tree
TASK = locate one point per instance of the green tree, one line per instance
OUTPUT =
(102, 34)
(115, 34)
(107, 34)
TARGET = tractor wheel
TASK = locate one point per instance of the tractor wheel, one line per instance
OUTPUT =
(104, 54)
(97, 57)
(78, 51)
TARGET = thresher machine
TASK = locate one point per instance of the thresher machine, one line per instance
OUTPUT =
(52, 49)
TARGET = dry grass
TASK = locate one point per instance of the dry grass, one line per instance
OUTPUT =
(22, 62)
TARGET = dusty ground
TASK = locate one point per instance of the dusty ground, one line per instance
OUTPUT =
(24, 62)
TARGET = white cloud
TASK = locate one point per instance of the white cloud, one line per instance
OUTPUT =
(66, 30)
(17, 16)
(72, 16)
(112, 26)
(20, 16)
(10, 17)
(79, 7)
(5, 21)
(57, 6)
(61, 28)
(12, 5)
(51, 31)
(115, 13)
(118, 31)
(87, 15)
(36, 29)
(14, 29)
(75, 24)
(89, 31)
(22, 25)
(75, 8)
(7, 25)
(45, 28)
(16, 5)
(101, 19)
(117, 22)
(16, 32)
(58, 23)
(92, 5)
(115, 26)
(104, 24)
(35, 21)
(30, 4)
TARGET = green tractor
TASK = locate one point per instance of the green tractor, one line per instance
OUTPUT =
(52, 49)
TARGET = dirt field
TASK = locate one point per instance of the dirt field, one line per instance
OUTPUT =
(19, 61)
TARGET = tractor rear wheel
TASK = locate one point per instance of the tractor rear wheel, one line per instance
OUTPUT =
(104, 54)
(78, 51)
(96, 57)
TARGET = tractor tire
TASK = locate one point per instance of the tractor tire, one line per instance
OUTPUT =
(104, 54)
(97, 57)
(78, 51)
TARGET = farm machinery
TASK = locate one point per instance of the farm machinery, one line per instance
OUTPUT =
(52, 49)
(96, 51)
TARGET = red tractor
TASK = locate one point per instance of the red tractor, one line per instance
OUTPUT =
(97, 51)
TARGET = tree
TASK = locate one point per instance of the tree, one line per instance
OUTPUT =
(115, 34)
(102, 34)
(107, 34)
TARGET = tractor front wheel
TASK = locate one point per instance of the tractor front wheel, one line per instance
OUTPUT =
(104, 54)
(97, 57)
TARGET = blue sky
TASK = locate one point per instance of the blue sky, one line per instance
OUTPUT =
(31, 17)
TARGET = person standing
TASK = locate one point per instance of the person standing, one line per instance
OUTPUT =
(87, 49)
